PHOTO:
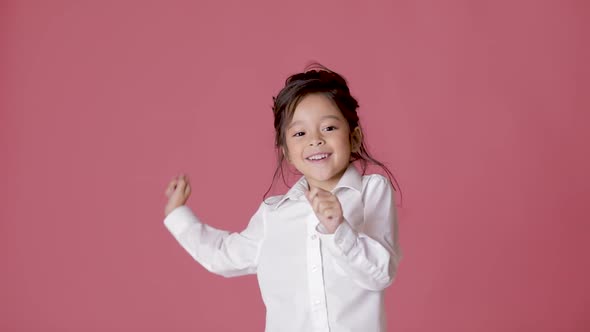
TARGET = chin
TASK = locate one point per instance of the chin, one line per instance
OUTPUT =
(322, 176)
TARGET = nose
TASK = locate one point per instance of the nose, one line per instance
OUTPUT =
(316, 141)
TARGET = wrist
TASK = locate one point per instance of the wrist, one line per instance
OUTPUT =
(169, 208)
(331, 226)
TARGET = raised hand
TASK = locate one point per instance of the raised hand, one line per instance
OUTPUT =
(326, 207)
(178, 192)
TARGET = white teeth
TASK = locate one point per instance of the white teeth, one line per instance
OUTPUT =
(318, 156)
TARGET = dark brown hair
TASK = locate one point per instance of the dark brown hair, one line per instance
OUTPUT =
(317, 79)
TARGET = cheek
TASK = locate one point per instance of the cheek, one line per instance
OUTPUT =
(343, 142)
(290, 151)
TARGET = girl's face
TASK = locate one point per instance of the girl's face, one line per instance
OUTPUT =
(319, 142)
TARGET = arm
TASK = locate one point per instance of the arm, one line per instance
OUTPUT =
(218, 251)
(369, 256)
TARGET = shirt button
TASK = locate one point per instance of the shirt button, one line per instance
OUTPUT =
(317, 302)
(314, 268)
(313, 237)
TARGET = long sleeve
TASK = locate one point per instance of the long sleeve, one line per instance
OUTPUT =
(221, 252)
(370, 256)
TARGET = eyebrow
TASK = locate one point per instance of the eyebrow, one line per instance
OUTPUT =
(322, 119)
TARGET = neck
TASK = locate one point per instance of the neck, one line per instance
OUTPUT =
(324, 185)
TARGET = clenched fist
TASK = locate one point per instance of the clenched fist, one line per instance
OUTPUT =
(326, 207)
(177, 192)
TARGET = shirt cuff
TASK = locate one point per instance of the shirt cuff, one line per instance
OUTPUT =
(180, 219)
(343, 239)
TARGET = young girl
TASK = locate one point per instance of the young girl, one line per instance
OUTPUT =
(325, 251)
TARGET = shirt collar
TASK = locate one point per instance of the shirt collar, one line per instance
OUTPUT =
(350, 179)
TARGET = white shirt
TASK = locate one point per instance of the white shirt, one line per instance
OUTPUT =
(309, 281)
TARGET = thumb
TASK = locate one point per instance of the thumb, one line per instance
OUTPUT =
(322, 191)
(311, 193)
(181, 184)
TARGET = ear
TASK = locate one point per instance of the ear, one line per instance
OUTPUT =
(356, 139)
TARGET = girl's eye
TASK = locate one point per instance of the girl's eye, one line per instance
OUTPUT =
(330, 128)
(298, 134)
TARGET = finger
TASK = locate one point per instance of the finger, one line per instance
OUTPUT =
(170, 188)
(187, 189)
(311, 201)
(316, 204)
(320, 190)
(324, 194)
(324, 206)
(324, 211)
(312, 193)
(329, 197)
(181, 184)
(328, 213)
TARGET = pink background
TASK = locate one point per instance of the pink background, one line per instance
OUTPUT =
(481, 109)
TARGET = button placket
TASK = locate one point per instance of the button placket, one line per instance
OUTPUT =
(316, 293)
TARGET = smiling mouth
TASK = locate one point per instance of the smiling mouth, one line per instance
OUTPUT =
(318, 157)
